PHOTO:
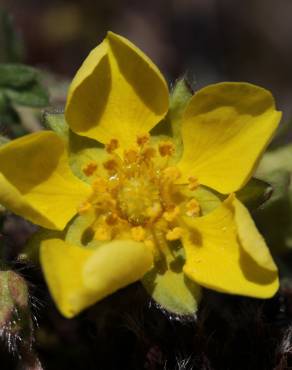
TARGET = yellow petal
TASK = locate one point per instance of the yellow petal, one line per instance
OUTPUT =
(117, 93)
(36, 181)
(78, 277)
(251, 240)
(221, 256)
(226, 127)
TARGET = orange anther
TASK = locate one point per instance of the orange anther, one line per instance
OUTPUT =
(90, 168)
(174, 234)
(193, 183)
(84, 208)
(143, 139)
(112, 145)
(166, 148)
(131, 155)
(110, 165)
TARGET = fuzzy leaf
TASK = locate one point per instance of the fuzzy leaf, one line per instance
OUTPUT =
(16, 75)
(32, 95)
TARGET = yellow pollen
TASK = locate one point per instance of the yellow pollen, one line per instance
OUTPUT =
(193, 183)
(174, 234)
(102, 233)
(154, 211)
(166, 148)
(171, 215)
(84, 208)
(138, 233)
(131, 155)
(90, 168)
(112, 145)
(171, 173)
(99, 185)
(193, 208)
(143, 139)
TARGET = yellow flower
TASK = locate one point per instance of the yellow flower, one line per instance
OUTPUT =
(140, 197)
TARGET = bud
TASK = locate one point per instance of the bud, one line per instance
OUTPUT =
(15, 320)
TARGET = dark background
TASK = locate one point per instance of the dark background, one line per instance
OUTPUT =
(211, 40)
(214, 40)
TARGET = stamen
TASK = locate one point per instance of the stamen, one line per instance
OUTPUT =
(102, 233)
(112, 146)
(154, 211)
(90, 168)
(174, 234)
(193, 208)
(166, 148)
(171, 173)
(171, 215)
(84, 208)
(143, 139)
(193, 183)
(111, 165)
(99, 185)
(138, 233)
(131, 155)
(111, 219)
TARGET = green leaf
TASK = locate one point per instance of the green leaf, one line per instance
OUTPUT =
(32, 95)
(16, 75)
(274, 218)
(12, 49)
(255, 193)
(81, 149)
(171, 289)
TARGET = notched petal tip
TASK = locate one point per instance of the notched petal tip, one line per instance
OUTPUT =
(221, 122)
(116, 93)
(36, 181)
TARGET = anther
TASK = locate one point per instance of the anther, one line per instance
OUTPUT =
(193, 208)
(174, 234)
(171, 215)
(112, 146)
(193, 183)
(90, 168)
(131, 155)
(143, 139)
(84, 208)
(171, 173)
(166, 148)
(99, 185)
(138, 233)
(102, 233)
(110, 165)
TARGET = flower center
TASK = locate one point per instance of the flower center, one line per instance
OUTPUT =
(138, 197)
(139, 200)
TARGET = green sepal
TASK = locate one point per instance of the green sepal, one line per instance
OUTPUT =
(170, 288)
(171, 125)
(55, 121)
(16, 75)
(179, 99)
(81, 149)
(255, 193)
(32, 247)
